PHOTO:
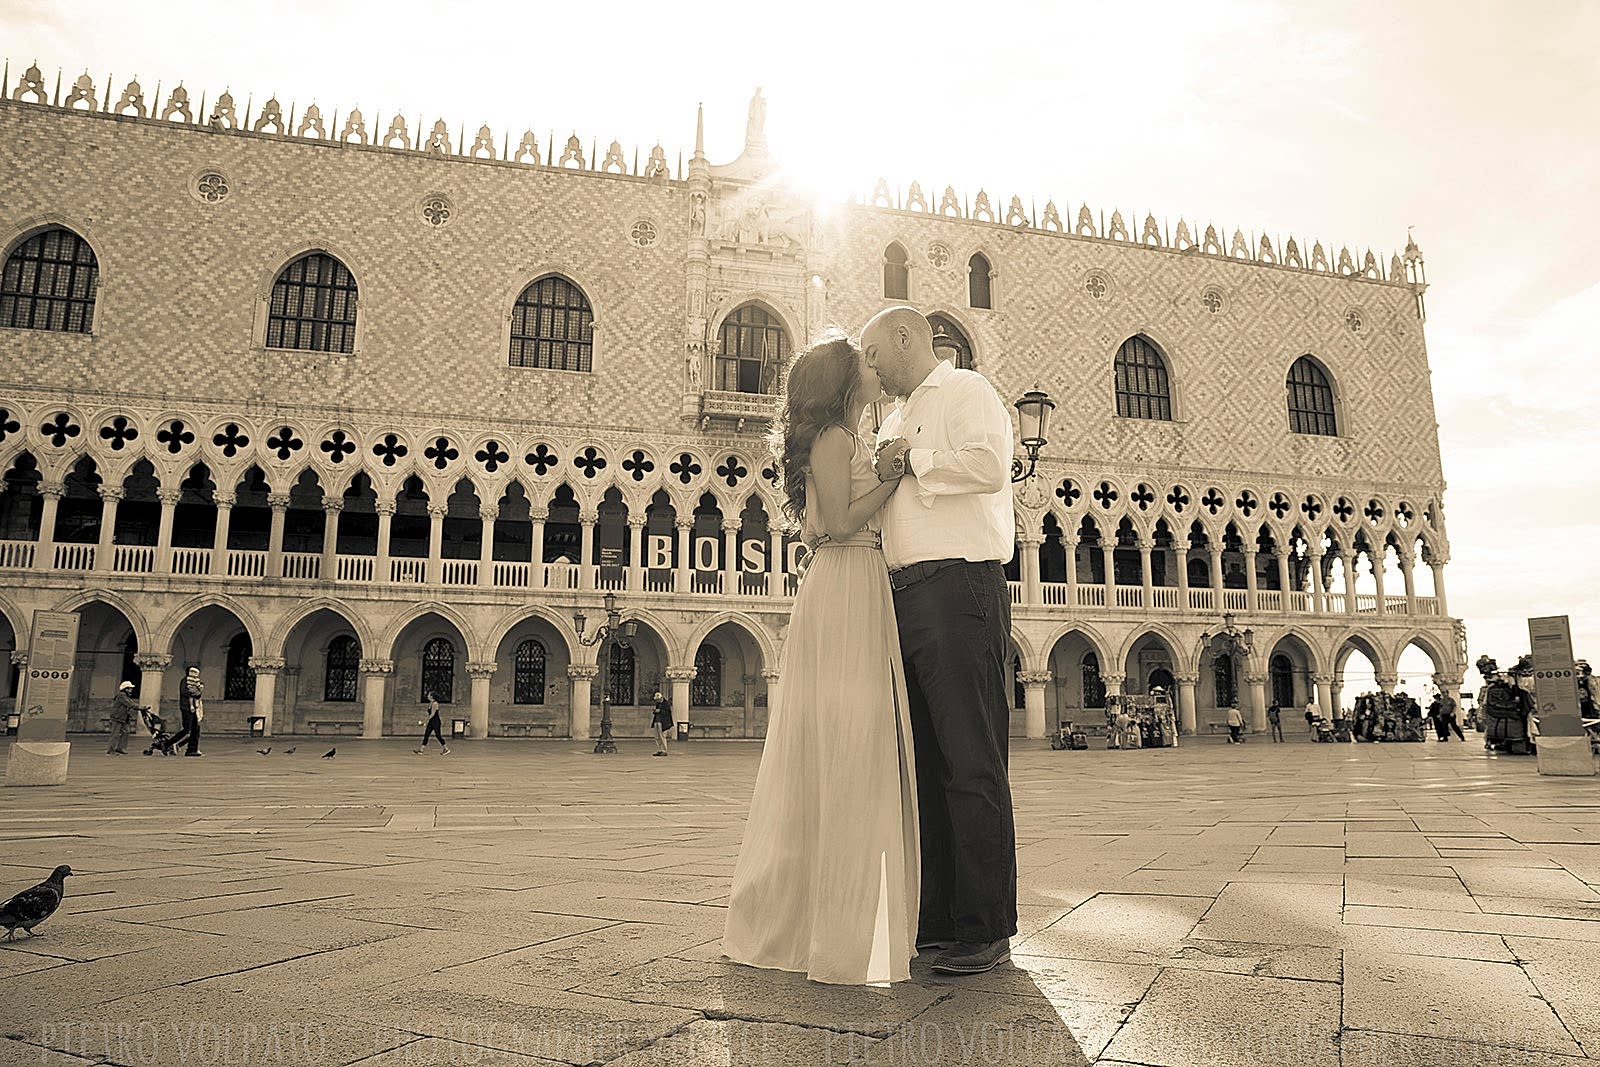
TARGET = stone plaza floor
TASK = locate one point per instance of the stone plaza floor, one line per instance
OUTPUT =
(531, 903)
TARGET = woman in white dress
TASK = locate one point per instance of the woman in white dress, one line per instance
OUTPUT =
(827, 880)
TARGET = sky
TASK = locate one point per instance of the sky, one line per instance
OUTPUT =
(1473, 122)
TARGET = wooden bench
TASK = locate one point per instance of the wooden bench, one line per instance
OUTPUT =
(336, 726)
(711, 729)
(527, 729)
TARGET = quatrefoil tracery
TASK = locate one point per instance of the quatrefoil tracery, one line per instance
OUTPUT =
(1068, 492)
(390, 450)
(60, 429)
(686, 468)
(541, 459)
(231, 439)
(441, 452)
(284, 443)
(337, 446)
(731, 470)
(638, 465)
(492, 456)
(590, 462)
(116, 433)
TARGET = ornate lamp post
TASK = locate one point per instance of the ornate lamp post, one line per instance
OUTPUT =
(1232, 641)
(615, 630)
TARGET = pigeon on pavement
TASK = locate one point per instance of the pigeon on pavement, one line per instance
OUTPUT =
(290, 750)
(33, 906)
(264, 751)
(329, 754)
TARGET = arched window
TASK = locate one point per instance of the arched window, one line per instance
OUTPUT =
(950, 343)
(527, 684)
(620, 691)
(439, 670)
(49, 283)
(1143, 391)
(238, 680)
(1227, 689)
(1094, 690)
(706, 689)
(978, 291)
(313, 306)
(1311, 399)
(751, 345)
(896, 273)
(552, 327)
(1281, 670)
(340, 676)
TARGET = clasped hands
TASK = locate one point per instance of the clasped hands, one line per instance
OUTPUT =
(891, 459)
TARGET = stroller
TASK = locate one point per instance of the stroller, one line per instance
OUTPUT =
(160, 740)
(1324, 729)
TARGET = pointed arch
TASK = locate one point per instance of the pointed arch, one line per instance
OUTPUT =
(980, 281)
(952, 339)
(50, 281)
(167, 628)
(896, 272)
(1312, 398)
(1143, 380)
(312, 304)
(562, 624)
(136, 619)
(384, 649)
(1096, 640)
(764, 641)
(551, 325)
(1174, 644)
(285, 626)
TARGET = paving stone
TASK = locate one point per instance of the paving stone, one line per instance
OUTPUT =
(971, 1027)
(1567, 976)
(1297, 858)
(1120, 928)
(1438, 892)
(1461, 1000)
(735, 1042)
(1365, 1048)
(1361, 843)
(1196, 1019)
(1284, 914)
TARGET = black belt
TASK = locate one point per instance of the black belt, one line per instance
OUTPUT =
(909, 575)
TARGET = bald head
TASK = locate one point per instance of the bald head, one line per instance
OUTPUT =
(898, 342)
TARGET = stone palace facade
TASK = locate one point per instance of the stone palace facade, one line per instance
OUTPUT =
(345, 412)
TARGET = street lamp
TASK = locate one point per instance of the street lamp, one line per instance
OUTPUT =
(1238, 644)
(615, 630)
(1033, 409)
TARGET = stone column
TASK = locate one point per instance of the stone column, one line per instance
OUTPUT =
(1314, 562)
(1388, 682)
(1335, 697)
(152, 666)
(1113, 684)
(480, 673)
(331, 510)
(680, 677)
(636, 553)
(1378, 559)
(730, 557)
(375, 679)
(105, 552)
(1032, 591)
(486, 515)
(1188, 724)
(1216, 576)
(750, 704)
(1251, 600)
(169, 507)
(1349, 561)
(1180, 559)
(1069, 545)
(44, 556)
(279, 505)
(219, 540)
(1146, 579)
(1406, 574)
(19, 660)
(1033, 696)
(536, 543)
(436, 513)
(1284, 588)
(266, 669)
(582, 675)
(1108, 560)
(1326, 693)
(380, 566)
(1256, 697)
(682, 580)
(777, 581)
(586, 521)
(1437, 566)
(774, 690)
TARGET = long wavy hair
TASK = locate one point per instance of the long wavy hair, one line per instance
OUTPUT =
(820, 381)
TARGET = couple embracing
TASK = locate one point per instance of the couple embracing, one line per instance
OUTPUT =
(881, 824)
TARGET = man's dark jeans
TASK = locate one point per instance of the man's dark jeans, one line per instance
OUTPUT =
(955, 628)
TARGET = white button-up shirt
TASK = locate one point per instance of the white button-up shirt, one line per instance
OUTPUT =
(955, 501)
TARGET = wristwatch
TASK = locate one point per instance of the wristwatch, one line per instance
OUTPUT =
(897, 466)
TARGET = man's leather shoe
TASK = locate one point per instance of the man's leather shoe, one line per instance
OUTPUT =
(968, 958)
(928, 944)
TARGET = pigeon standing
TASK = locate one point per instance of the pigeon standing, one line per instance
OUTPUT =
(329, 754)
(33, 906)
(264, 751)
(290, 750)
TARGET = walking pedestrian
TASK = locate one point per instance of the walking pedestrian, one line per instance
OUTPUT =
(1275, 718)
(434, 727)
(661, 722)
(192, 706)
(1447, 718)
(123, 712)
(1235, 725)
(1313, 713)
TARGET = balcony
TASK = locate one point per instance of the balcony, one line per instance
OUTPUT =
(744, 409)
(206, 565)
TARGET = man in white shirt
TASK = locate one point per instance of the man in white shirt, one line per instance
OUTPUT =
(947, 532)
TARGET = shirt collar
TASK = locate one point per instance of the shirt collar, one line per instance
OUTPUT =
(936, 377)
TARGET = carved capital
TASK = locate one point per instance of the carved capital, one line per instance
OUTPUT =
(266, 664)
(636, 522)
(225, 500)
(1323, 679)
(771, 675)
(683, 524)
(112, 492)
(169, 497)
(1255, 679)
(1033, 679)
(1186, 679)
(278, 501)
(1030, 539)
(1146, 546)
(377, 666)
(538, 513)
(438, 511)
(152, 661)
(19, 657)
(481, 670)
(333, 504)
(582, 670)
(1113, 679)
(489, 514)
(680, 674)
(384, 507)
(52, 490)
(588, 516)
(732, 525)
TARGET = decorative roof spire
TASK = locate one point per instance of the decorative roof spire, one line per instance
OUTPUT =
(755, 130)
(1413, 253)
(700, 131)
